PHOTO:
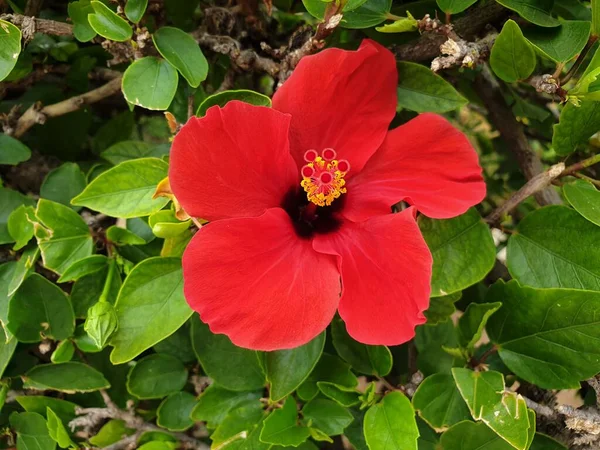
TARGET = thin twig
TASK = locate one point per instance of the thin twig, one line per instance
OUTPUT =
(44, 26)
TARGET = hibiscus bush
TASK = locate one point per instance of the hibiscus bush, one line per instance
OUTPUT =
(345, 224)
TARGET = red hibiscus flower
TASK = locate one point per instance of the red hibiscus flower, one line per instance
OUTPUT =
(299, 201)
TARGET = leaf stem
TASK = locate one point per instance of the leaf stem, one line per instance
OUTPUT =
(108, 283)
(577, 64)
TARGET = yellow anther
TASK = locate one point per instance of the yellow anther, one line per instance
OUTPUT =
(326, 182)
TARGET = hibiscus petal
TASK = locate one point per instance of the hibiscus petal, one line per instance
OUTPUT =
(426, 162)
(386, 274)
(233, 162)
(256, 281)
(341, 99)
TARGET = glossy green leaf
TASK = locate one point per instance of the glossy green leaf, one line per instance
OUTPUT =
(126, 190)
(40, 308)
(63, 353)
(215, 402)
(242, 95)
(241, 429)
(64, 183)
(281, 426)
(39, 404)
(369, 14)
(512, 57)
(126, 150)
(9, 201)
(504, 412)
(232, 367)
(390, 425)
(150, 82)
(368, 359)
(439, 403)
(553, 333)
(575, 127)
(441, 308)
(535, 11)
(287, 369)
(327, 415)
(108, 24)
(183, 52)
(122, 236)
(135, 9)
(560, 44)
(473, 321)
(150, 307)
(421, 90)
(156, 376)
(84, 267)
(78, 12)
(65, 377)
(20, 225)
(401, 25)
(595, 17)
(463, 251)
(12, 151)
(62, 235)
(555, 247)
(343, 395)
(32, 432)
(57, 430)
(585, 198)
(10, 36)
(454, 6)
(430, 341)
(469, 435)
(329, 368)
(175, 410)
(543, 442)
(8, 345)
(111, 432)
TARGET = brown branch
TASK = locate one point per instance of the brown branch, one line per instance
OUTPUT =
(30, 25)
(501, 116)
(37, 114)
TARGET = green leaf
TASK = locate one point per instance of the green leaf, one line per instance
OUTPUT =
(78, 12)
(430, 341)
(164, 224)
(108, 24)
(401, 25)
(287, 369)
(390, 425)
(20, 225)
(111, 432)
(175, 410)
(150, 307)
(62, 235)
(512, 57)
(57, 430)
(595, 17)
(126, 150)
(369, 14)
(156, 376)
(67, 377)
(281, 426)
(7, 349)
(182, 51)
(215, 402)
(504, 412)
(535, 11)
(555, 247)
(543, 442)
(454, 6)
(576, 125)
(9, 201)
(242, 95)
(39, 404)
(421, 90)
(552, 339)
(463, 251)
(10, 36)
(101, 322)
(63, 184)
(135, 9)
(150, 82)
(584, 197)
(560, 44)
(7, 271)
(439, 403)
(234, 368)
(240, 430)
(64, 352)
(329, 368)
(40, 308)
(473, 436)
(441, 308)
(179, 344)
(126, 190)
(368, 359)
(473, 321)
(122, 236)
(84, 267)
(343, 395)
(327, 415)
(32, 432)
(87, 290)
(12, 151)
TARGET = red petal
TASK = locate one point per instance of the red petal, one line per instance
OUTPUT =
(426, 162)
(340, 99)
(254, 280)
(386, 274)
(233, 162)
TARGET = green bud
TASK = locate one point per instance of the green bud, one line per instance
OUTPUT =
(101, 323)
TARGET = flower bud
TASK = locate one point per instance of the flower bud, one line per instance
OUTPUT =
(101, 323)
